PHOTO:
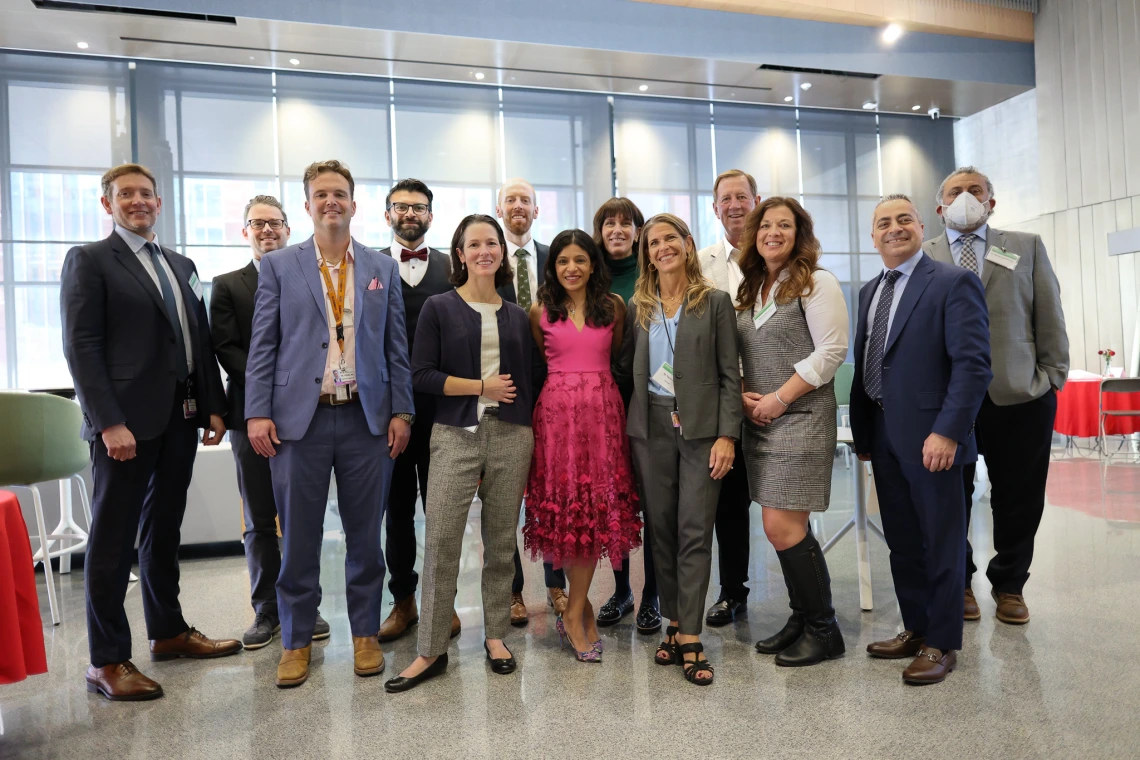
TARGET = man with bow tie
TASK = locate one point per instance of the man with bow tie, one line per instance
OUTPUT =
(424, 272)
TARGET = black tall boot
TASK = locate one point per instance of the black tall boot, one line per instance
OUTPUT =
(792, 629)
(822, 640)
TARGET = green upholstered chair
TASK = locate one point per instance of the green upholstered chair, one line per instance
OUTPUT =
(41, 443)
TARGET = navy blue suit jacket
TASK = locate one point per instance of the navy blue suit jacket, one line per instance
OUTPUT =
(936, 363)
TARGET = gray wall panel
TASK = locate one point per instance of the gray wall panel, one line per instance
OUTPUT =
(1114, 118)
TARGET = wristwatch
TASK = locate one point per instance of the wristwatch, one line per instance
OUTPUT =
(408, 418)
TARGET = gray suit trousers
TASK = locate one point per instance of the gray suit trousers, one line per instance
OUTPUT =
(680, 509)
(501, 451)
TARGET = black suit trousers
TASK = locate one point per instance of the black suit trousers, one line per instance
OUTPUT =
(1015, 440)
(732, 530)
(262, 548)
(409, 480)
(144, 497)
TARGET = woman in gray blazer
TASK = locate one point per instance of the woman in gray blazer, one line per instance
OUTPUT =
(684, 415)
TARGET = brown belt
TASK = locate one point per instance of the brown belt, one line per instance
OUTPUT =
(330, 399)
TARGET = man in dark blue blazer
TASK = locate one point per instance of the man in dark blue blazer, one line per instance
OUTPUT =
(922, 367)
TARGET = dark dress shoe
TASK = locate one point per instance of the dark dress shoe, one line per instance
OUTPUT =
(725, 611)
(503, 665)
(121, 682)
(906, 644)
(194, 645)
(399, 683)
(1011, 608)
(615, 609)
(970, 608)
(783, 638)
(648, 618)
(819, 642)
(321, 629)
(930, 666)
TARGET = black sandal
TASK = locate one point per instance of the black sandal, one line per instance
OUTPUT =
(669, 647)
(698, 665)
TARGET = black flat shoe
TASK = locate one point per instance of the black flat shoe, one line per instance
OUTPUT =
(648, 618)
(615, 609)
(725, 611)
(399, 683)
(503, 666)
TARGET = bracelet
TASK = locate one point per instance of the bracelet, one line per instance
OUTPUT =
(777, 395)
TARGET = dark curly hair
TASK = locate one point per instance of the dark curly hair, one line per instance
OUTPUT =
(503, 274)
(600, 309)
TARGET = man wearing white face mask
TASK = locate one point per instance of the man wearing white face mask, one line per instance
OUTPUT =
(1030, 351)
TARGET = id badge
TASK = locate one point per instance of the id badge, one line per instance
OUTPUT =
(344, 376)
(764, 314)
(190, 408)
(342, 393)
(1002, 258)
(664, 377)
(676, 417)
(196, 285)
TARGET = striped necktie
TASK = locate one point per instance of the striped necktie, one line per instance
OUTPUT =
(873, 365)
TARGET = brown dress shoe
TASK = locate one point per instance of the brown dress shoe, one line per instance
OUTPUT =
(558, 600)
(293, 669)
(906, 644)
(971, 607)
(403, 616)
(368, 660)
(456, 626)
(518, 610)
(121, 682)
(1011, 608)
(930, 666)
(194, 645)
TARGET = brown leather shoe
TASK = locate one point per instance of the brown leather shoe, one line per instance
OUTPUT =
(1011, 608)
(121, 682)
(368, 660)
(558, 600)
(293, 669)
(972, 612)
(930, 666)
(906, 644)
(194, 645)
(456, 625)
(403, 616)
(518, 610)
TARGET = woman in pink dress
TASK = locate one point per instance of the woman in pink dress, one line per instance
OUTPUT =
(581, 502)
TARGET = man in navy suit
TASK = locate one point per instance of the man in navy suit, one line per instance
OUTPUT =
(329, 388)
(922, 367)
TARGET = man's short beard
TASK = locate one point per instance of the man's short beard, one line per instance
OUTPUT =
(410, 231)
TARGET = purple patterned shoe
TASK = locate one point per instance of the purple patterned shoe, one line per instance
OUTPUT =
(590, 655)
(598, 646)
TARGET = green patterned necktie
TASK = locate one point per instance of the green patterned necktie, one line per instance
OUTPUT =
(524, 279)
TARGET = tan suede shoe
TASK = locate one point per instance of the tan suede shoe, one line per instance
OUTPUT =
(368, 660)
(293, 669)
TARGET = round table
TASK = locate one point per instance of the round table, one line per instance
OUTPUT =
(1078, 410)
(21, 630)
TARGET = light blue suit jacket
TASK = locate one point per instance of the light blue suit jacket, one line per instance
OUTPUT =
(289, 344)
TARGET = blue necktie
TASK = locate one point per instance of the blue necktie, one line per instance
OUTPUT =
(873, 367)
(171, 305)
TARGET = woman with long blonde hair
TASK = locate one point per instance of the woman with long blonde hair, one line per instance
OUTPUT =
(680, 352)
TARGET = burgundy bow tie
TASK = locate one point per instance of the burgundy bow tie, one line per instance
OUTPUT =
(421, 254)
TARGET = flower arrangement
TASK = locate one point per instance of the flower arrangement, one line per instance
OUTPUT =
(1107, 353)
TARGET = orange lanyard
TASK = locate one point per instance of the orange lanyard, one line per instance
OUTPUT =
(337, 300)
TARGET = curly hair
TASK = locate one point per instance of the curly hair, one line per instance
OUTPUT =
(600, 309)
(646, 291)
(458, 276)
(801, 264)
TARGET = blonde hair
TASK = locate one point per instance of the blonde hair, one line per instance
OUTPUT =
(648, 286)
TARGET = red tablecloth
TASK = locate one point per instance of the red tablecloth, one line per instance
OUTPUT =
(21, 630)
(1078, 410)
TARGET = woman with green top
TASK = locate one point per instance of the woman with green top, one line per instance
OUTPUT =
(617, 228)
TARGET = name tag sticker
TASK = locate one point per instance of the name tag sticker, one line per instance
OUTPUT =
(196, 285)
(664, 377)
(762, 316)
(1002, 258)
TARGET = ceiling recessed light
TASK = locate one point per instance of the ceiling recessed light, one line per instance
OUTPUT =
(479, 75)
(789, 99)
(916, 108)
(892, 33)
(805, 86)
(643, 87)
(870, 105)
(295, 61)
(82, 45)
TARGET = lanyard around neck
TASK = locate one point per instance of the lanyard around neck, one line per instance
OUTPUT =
(336, 301)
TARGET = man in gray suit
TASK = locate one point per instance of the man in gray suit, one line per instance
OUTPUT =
(734, 197)
(1030, 363)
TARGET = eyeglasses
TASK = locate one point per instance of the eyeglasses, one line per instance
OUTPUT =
(403, 208)
(259, 224)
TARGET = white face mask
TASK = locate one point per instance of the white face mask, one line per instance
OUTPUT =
(966, 213)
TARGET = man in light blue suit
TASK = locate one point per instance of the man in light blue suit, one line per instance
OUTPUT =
(329, 388)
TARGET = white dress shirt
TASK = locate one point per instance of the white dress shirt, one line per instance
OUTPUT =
(904, 269)
(531, 265)
(257, 264)
(956, 245)
(412, 271)
(137, 244)
(334, 360)
(826, 313)
(735, 276)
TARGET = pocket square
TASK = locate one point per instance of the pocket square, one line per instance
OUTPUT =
(375, 284)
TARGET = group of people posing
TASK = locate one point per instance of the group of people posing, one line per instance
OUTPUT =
(629, 392)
